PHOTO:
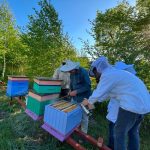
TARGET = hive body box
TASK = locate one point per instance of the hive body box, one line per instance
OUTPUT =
(46, 91)
(47, 85)
(59, 123)
(17, 86)
(36, 102)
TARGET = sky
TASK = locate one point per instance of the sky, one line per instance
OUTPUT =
(74, 14)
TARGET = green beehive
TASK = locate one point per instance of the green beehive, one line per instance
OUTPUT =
(44, 85)
(36, 103)
(49, 89)
(36, 106)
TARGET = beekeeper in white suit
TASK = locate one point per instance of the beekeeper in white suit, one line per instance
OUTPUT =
(113, 106)
(133, 98)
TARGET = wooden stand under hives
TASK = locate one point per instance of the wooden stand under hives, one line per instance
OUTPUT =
(2, 86)
(97, 143)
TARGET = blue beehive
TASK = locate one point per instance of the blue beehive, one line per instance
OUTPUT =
(60, 120)
(17, 86)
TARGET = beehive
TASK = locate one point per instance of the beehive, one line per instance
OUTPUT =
(36, 102)
(62, 117)
(47, 85)
(17, 86)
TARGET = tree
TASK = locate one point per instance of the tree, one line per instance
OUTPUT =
(143, 26)
(10, 44)
(118, 36)
(46, 42)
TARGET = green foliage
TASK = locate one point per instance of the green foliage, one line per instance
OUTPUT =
(84, 62)
(11, 47)
(45, 40)
(118, 36)
(40, 49)
(143, 6)
(146, 123)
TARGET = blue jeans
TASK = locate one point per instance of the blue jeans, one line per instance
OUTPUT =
(111, 135)
(127, 124)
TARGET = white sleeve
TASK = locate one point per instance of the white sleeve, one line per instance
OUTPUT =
(103, 89)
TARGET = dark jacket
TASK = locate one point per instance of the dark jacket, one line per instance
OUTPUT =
(80, 82)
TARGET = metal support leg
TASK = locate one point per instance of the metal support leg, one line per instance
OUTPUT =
(98, 143)
(74, 144)
(11, 101)
(21, 102)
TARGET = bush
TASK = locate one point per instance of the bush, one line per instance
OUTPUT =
(146, 122)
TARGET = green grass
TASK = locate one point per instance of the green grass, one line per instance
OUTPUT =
(19, 132)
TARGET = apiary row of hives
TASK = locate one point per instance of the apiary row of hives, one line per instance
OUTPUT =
(60, 117)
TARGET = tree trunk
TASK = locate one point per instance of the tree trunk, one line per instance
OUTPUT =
(4, 66)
